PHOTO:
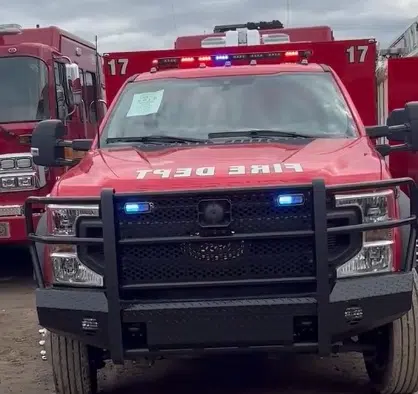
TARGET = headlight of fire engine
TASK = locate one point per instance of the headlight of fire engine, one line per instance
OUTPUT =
(24, 181)
(18, 172)
(377, 253)
(66, 266)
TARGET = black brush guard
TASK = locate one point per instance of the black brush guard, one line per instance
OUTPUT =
(319, 231)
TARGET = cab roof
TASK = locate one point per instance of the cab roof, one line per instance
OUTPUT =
(262, 69)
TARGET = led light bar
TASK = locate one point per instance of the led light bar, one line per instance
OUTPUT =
(290, 199)
(293, 56)
(132, 208)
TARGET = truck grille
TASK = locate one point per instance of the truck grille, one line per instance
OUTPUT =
(251, 213)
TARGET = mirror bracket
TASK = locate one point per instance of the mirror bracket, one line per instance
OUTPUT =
(385, 150)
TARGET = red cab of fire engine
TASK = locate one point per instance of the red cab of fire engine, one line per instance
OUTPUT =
(45, 73)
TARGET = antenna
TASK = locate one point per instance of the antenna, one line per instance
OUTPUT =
(288, 11)
(173, 13)
(96, 93)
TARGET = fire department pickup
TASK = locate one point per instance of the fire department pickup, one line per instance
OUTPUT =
(236, 208)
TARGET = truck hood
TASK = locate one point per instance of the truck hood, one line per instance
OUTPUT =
(129, 169)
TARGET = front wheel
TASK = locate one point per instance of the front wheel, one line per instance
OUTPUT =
(394, 367)
(73, 369)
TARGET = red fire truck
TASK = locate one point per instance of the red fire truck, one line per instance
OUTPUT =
(39, 81)
(353, 60)
(397, 83)
(233, 203)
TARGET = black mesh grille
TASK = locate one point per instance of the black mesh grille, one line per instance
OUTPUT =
(252, 213)
(218, 261)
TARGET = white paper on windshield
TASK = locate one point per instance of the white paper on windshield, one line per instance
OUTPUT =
(145, 103)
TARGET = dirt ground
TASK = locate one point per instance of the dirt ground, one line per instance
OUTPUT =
(23, 371)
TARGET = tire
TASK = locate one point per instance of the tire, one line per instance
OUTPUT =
(394, 369)
(72, 367)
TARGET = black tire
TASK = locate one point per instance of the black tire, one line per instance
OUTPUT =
(73, 370)
(394, 370)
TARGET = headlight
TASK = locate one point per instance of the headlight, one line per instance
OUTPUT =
(68, 269)
(16, 163)
(66, 266)
(377, 253)
(18, 172)
(24, 181)
(63, 218)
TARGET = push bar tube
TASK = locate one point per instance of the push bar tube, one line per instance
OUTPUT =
(111, 239)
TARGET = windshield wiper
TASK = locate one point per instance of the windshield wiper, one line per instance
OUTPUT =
(155, 138)
(260, 133)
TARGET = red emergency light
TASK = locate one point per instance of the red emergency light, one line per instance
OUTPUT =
(297, 56)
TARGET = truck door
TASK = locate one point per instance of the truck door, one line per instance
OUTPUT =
(402, 86)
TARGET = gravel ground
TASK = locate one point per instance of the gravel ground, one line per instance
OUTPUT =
(22, 370)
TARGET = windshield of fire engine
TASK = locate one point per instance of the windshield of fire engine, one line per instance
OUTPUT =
(23, 89)
(303, 103)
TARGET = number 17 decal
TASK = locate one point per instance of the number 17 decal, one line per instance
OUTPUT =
(357, 54)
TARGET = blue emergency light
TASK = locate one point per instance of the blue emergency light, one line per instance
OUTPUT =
(132, 208)
(290, 199)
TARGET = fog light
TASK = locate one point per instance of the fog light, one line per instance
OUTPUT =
(353, 314)
(89, 324)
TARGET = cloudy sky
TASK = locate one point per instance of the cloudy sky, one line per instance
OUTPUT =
(139, 24)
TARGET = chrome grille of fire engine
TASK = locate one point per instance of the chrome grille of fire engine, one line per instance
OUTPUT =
(251, 213)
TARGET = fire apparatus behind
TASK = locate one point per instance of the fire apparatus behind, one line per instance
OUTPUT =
(397, 84)
(353, 60)
(39, 79)
(271, 33)
(233, 202)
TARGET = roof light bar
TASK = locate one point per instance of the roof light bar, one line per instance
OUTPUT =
(300, 56)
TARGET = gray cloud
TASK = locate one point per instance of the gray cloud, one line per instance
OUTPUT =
(139, 24)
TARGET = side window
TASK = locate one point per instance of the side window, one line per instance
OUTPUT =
(59, 74)
(91, 104)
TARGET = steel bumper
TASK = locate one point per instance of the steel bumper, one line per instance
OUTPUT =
(224, 325)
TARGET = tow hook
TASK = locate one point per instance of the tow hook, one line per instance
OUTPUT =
(44, 343)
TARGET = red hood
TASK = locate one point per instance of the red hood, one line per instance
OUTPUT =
(335, 160)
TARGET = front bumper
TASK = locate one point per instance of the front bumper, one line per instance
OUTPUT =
(309, 321)
(269, 324)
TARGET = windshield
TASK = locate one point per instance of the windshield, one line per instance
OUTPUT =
(304, 103)
(23, 89)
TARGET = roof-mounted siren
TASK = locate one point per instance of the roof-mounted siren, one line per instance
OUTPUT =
(275, 38)
(10, 29)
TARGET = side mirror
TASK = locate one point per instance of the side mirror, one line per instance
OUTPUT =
(397, 117)
(74, 83)
(402, 126)
(49, 148)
